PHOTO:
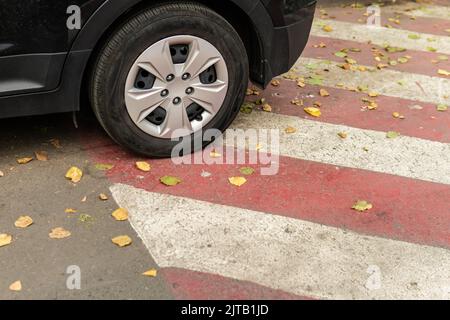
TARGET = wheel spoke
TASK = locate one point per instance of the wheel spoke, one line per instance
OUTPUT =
(209, 96)
(200, 58)
(158, 61)
(176, 118)
(141, 103)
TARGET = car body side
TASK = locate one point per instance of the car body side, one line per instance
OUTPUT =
(44, 67)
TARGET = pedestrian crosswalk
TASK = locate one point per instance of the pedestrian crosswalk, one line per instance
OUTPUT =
(296, 232)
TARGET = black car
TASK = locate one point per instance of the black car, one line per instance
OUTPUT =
(153, 70)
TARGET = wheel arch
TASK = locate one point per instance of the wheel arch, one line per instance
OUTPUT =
(249, 18)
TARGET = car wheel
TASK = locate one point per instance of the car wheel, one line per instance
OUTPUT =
(171, 67)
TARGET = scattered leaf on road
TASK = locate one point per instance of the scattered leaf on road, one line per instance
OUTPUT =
(55, 143)
(362, 205)
(74, 174)
(122, 241)
(143, 166)
(120, 214)
(2, 174)
(70, 210)
(16, 286)
(343, 135)
(327, 28)
(41, 155)
(24, 160)
(315, 112)
(23, 222)
(267, 107)
(324, 93)
(237, 181)
(59, 233)
(275, 82)
(290, 130)
(214, 154)
(104, 166)
(247, 171)
(103, 197)
(443, 72)
(442, 107)
(5, 239)
(150, 273)
(170, 181)
(392, 134)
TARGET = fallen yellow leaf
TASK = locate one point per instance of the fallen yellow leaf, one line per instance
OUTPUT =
(5, 239)
(237, 181)
(267, 107)
(290, 130)
(24, 160)
(343, 135)
(327, 28)
(74, 174)
(443, 72)
(122, 241)
(103, 197)
(23, 222)
(324, 93)
(362, 205)
(59, 233)
(41, 155)
(70, 210)
(143, 166)
(275, 82)
(120, 214)
(315, 112)
(16, 286)
(150, 273)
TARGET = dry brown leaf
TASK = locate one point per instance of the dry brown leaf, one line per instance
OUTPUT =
(59, 233)
(5, 239)
(24, 160)
(122, 241)
(150, 273)
(84, 199)
(74, 174)
(267, 107)
(55, 143)
(1, 174)
(103, 197)
(301, 84)
(290, 130)
(237, 181)
(41, 155)
(16, 286)
(275, 82)
(324, 93)
(343, 135)
(23, 222)
(143, 166)
(120, 214)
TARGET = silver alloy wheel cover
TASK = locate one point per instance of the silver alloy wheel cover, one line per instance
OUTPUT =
(157, 60)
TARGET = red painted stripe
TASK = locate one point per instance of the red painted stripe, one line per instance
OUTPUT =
(420, 62)
(344, 107)
(432, 26)
(404, 209)
(192, 285)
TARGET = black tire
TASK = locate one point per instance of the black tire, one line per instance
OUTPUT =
(110, 70)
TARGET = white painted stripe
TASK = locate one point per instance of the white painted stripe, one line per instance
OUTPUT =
(435, 12)
(295, 256)
(380, 35)
(318, 141)
(386, 82)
